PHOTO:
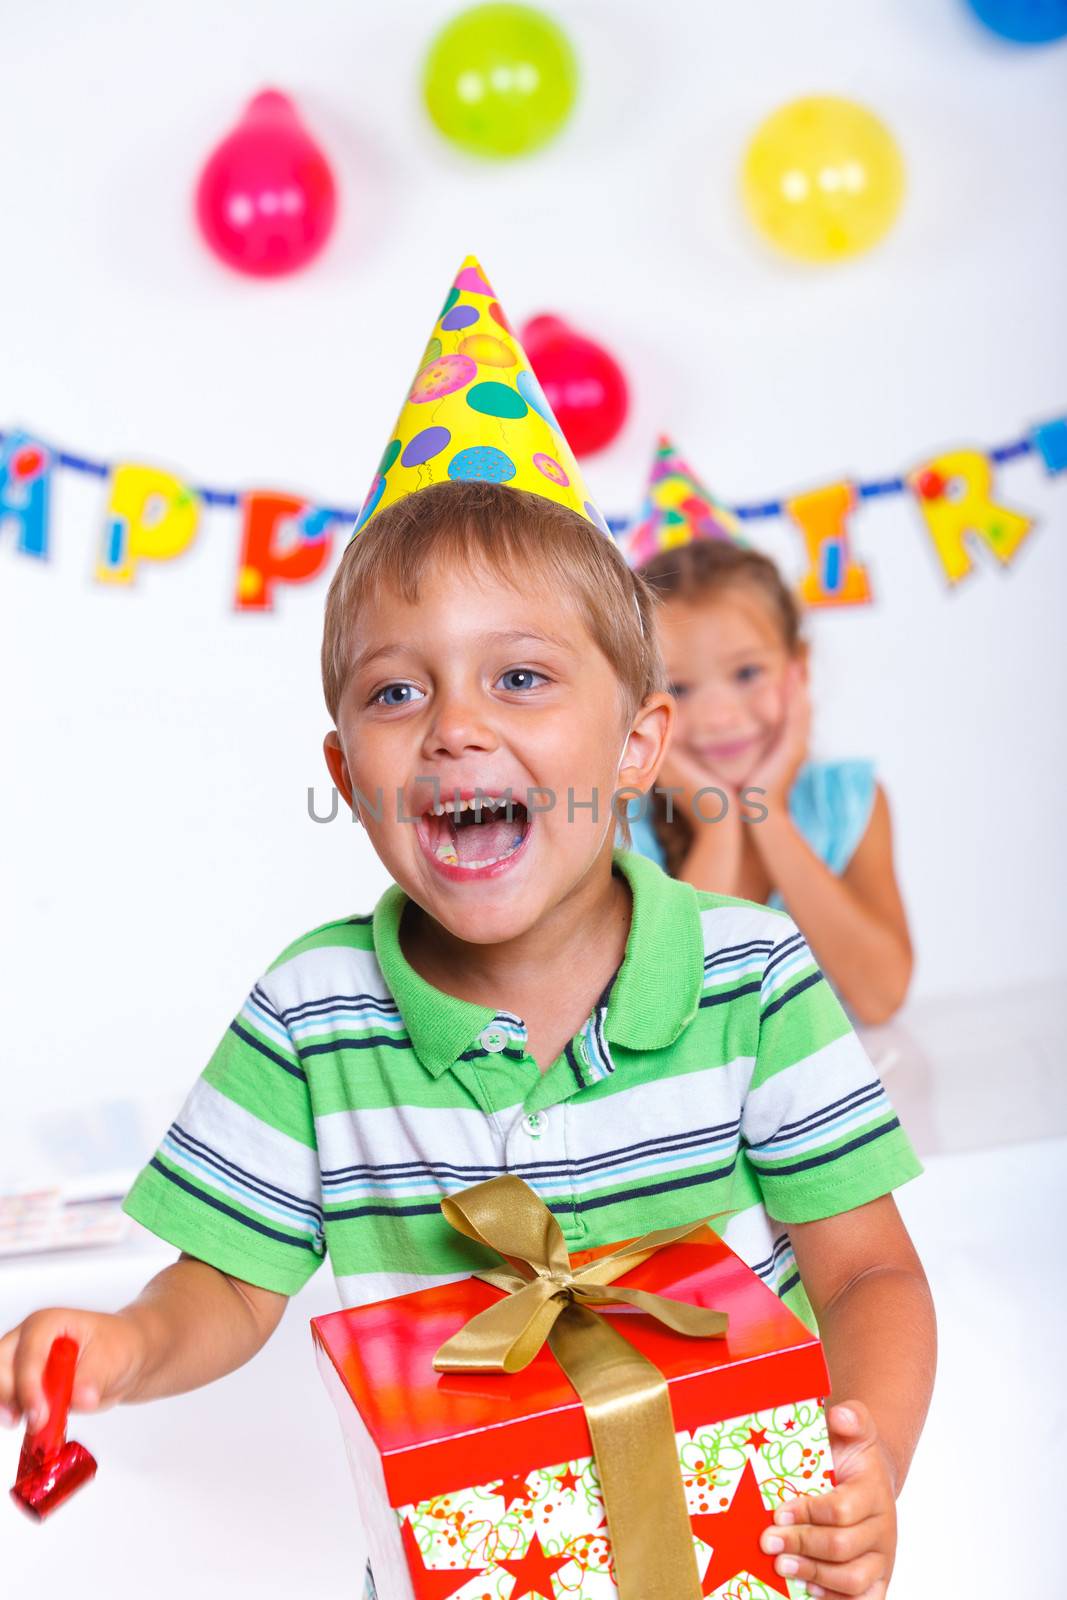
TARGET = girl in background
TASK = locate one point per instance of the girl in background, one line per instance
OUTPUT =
(818, 840)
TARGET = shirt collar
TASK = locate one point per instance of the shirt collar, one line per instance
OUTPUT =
(652, 998)
(657, 990)
(440, 1026)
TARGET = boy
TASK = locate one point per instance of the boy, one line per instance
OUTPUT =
(524, 998)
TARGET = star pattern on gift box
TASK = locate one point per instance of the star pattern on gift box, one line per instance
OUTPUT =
(734, 1535)
(784, 1450)
(533, 1572)
(512, 1489)
(433, 1583)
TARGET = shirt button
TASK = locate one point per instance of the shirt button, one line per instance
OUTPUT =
(535, 1124)
(493, 1039)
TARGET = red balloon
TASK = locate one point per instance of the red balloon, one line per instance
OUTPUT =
(266, 199)
(583, 384)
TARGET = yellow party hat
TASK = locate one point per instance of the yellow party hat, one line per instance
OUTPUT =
(677, 509)
(476, 412)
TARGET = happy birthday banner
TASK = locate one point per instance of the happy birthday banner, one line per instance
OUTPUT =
(153, 516)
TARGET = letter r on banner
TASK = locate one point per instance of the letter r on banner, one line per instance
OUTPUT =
(954, 494)
(151, 516)
(832, 578)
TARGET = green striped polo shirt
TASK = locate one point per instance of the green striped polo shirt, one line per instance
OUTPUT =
(717, 1072)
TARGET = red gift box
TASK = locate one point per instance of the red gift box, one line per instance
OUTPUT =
(479, 1486)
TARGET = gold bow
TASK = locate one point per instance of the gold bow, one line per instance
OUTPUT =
(623, 1394)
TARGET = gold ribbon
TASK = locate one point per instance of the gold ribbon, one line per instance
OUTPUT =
(623, 1394)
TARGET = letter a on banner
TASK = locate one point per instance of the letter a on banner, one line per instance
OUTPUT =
(954, 493)
(151, 516)
(25, 476)
(832, 578)
(283, 540)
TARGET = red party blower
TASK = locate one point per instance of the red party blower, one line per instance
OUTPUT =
(51, 1466)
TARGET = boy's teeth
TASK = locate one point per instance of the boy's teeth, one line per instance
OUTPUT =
(455, 807)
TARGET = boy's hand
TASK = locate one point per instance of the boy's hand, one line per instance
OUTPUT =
(843, 1544)
(110, 1357)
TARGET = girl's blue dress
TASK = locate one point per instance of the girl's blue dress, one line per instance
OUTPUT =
(830, 803)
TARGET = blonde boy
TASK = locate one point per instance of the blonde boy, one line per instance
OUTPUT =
(525, 998)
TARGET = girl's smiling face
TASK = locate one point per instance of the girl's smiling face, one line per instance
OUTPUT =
(482, 687)
(727, 663)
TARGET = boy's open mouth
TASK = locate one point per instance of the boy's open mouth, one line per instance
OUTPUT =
(470, 834)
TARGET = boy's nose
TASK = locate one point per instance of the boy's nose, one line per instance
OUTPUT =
(458, 727)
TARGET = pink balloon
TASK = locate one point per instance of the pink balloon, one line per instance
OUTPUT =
(583, 383)
(266, 198)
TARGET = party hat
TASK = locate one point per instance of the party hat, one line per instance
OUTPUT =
(677, 509)
(476, 412)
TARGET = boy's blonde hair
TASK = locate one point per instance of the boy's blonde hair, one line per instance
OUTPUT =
(518, 536)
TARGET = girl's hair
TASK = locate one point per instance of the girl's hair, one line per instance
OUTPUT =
(700, 571)
(520, 537)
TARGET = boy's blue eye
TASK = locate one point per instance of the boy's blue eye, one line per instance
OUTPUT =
(396, 694)
(749, 673)
(526, 674)
(678, 690)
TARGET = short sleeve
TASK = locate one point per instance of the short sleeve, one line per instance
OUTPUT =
(821, 1134)
(235, 1181)
(831, 804)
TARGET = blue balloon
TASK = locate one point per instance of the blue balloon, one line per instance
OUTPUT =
(1024, 21)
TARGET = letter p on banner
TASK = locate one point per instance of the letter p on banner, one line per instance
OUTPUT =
(283, 540)
(954, 494)
(151, 516)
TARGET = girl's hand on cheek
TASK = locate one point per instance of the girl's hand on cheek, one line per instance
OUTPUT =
(683, 772)
(775, 772)
(842, 1544)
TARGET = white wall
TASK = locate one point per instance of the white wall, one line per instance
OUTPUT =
(156, 850)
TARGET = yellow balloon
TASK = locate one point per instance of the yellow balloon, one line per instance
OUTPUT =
(823, 178)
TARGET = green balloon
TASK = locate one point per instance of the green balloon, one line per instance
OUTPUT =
(500, 80)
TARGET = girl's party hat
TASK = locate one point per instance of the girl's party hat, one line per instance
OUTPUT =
(677, 509)
(476, 412)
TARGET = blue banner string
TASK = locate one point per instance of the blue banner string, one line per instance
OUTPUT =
(760, 511)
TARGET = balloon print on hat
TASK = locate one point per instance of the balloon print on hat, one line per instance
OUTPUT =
(823, 179)
(424, 446)
(500, 80)
(1023, 21)
(266, 198)
(584, 389)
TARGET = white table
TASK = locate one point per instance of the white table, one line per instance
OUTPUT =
(242, 1488)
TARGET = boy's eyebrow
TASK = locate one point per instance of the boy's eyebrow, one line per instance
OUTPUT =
(503, 636)
(527, 636)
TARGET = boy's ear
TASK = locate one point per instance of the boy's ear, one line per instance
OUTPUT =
(646, 745)
(335, 760)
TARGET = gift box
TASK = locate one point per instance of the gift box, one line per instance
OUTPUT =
(483, 1485)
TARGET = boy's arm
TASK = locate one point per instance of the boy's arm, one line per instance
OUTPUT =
(876, 1320)
(190, 1325)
